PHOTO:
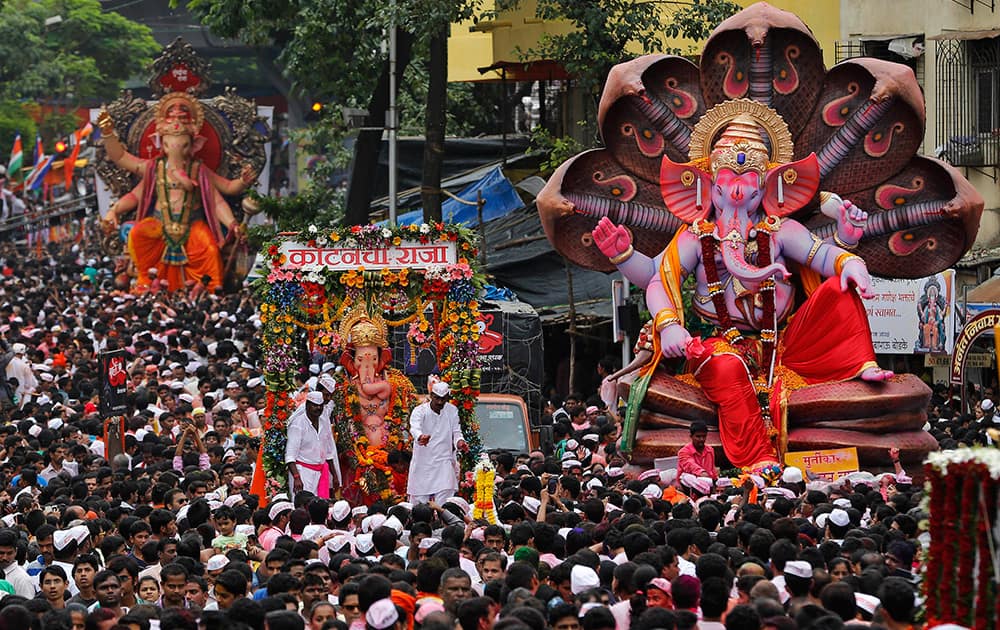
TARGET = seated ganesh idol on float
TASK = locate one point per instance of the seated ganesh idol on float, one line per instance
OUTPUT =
(776, 188)
(741, 368)
(372, 402)
(179, 204)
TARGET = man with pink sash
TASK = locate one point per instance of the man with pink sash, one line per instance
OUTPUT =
(311, 452)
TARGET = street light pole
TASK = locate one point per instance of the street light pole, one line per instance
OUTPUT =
(391, 116)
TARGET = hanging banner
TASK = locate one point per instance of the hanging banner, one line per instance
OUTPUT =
(114, 383)
(913, 316)
(408, 254)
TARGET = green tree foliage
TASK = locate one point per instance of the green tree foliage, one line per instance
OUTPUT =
(82, 58)
(606, 30)
(15, 119)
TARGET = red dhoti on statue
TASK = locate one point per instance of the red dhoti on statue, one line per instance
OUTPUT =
(828, 339)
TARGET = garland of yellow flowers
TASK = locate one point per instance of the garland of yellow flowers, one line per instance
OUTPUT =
(483, 507)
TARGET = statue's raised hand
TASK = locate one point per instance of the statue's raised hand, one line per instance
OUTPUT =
(613, 240)
(105, 123)
(674, 340)
(851, 222)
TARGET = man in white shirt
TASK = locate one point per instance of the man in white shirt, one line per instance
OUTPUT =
(311, 453)
(436, 435)
(21, 370)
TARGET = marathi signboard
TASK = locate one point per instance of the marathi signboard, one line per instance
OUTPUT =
(408, 254)
(829, 464)
(913, 316)
(981, 324)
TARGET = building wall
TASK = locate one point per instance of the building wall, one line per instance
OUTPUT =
(515, 31)
(931, 17)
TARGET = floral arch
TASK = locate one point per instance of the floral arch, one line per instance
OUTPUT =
(425, 277)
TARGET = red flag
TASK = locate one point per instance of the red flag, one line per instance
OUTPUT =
(70, 162)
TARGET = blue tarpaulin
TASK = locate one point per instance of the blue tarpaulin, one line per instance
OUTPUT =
(498, 193)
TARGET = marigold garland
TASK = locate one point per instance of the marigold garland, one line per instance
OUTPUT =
(483, 506)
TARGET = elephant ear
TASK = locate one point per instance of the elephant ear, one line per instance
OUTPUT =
(686, 190)
(347, 360)
(790, 187)
(384, 359)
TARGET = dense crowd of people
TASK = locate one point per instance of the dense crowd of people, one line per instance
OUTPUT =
(167, 535)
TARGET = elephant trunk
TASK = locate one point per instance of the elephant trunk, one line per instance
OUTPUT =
(736, 263)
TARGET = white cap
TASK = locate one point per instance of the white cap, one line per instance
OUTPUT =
(382, 614)
(652, 491)
(55, 424)
(572, 445)
(279, 507)
(461, 503)
(62, 538)
(34, 430)
(595, 483)
(216, 562)
(327, 367)
(19, 348)
(868, 603)
(188, 398)
(570, 463)
(842, 503)
(254, 382)
(326, 382)
(394, 523)
(799, 568)
(340, 510)
(315, 398)
(246, 530)
(373, 522)
(441, 389)
(232, 500)
(839, 518)
(583, 578)
(427, 543)
(314, 369)
(792, 475)
(232, 385)
(339, 542)
(531, 504)
(358, 511)
(668, 477)
(363, 543)
(986, 405)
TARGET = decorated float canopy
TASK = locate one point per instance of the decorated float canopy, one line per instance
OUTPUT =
(328, 292)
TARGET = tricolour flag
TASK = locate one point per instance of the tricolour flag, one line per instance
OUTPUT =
(39, 152)
(37, 175)
(16, 159)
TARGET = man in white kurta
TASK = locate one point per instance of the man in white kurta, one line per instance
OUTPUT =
(21, 370)
(311, 452)
(436, 436)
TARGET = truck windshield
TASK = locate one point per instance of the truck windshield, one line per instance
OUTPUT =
(501, 426)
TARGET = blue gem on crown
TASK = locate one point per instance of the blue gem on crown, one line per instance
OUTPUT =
(741, 158)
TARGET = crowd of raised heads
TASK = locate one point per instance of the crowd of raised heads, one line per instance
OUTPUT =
(167, 535)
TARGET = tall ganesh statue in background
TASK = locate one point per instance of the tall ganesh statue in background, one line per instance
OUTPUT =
(780, 187)
(165, 162)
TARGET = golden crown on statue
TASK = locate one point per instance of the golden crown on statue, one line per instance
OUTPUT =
(360, 328)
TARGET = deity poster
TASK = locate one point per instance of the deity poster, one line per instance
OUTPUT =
(913, 316)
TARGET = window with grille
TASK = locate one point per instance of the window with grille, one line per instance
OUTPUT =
(968, 101)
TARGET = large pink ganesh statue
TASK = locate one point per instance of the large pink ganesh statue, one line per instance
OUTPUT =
(781, 187)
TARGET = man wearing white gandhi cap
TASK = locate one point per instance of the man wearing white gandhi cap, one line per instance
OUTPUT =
(311, 452)
(436, 436)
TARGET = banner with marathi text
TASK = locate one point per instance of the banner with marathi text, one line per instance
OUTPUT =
(913, 316)
(829, 464)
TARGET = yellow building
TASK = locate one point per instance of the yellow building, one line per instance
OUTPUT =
(502, 41)
(954, 48)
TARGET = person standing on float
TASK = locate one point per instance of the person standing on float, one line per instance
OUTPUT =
(437, 435)
(311, 452)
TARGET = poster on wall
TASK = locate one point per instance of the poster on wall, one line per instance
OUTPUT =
(913, 316)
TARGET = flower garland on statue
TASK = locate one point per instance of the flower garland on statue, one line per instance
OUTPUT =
(483, 506)
(302, 305)
(371, 462)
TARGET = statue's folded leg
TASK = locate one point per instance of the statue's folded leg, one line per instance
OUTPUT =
(145, 247)
(829, 338)
(203, 256)
(724, 378)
